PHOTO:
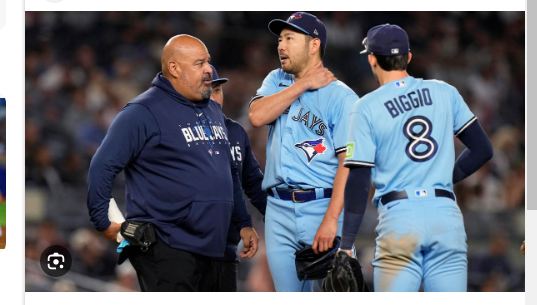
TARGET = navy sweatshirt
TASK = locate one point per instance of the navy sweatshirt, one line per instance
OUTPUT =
(177, 163)
(251, 177)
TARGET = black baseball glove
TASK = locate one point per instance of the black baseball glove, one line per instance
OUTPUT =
(311, 266)
(345, 275)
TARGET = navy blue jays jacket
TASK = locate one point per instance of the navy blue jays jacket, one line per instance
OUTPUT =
(251, 178)
(177, 163)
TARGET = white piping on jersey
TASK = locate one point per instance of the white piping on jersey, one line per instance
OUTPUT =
(466, 125)
(341, 149)
(360, 163)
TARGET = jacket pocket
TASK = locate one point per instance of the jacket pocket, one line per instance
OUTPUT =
(169, 212)
(208, 216)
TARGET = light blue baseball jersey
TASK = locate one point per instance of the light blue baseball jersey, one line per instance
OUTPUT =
(304, 141)
(405, 130)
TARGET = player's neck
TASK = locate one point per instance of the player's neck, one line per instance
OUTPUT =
(385, 77)
(311, 65)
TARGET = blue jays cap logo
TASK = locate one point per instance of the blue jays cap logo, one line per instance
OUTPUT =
(294, 16)
(312, 148)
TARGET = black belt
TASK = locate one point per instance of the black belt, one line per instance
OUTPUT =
(391, 196)
(299, 196)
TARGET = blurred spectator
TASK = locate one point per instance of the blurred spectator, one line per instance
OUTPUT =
(92, 255)
(126, 277)
(493, 271)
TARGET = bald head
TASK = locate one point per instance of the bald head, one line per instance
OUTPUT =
(177, 46)
(185, 63)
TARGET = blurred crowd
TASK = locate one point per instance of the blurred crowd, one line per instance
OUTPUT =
(83, 67)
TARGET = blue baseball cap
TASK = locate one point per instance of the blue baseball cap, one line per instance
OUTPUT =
(216, 79)
(386, 40)
(301, 22)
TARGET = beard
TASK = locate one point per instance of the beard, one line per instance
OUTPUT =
(296, 65)
(288, 68)
(206, 92)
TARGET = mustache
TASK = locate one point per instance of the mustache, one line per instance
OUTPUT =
(207, 77)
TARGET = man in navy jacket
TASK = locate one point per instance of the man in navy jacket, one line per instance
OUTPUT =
(251, 178)
(173, 145)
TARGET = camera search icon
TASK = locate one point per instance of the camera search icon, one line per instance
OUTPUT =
(56, 261)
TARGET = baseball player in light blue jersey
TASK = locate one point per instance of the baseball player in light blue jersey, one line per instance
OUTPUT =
(306, 110)
(402, 135)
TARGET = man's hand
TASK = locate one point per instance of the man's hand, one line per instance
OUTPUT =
(112, 230)
(250, 241)
(326, 233)
(318, 77)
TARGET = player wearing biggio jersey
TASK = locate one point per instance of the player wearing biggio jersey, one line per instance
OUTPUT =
(402, 135)
(306, 110)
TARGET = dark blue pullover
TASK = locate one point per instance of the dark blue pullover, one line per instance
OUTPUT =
(176, 157)
(251, 178)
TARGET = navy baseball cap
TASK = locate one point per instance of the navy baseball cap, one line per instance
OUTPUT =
(386, 40)
(301, 22)
(217, 80)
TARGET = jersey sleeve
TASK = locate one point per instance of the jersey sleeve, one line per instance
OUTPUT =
(361, 146)
(125, 138)
(240, 216)
(252, 177)
(462, 115)
(268, 87)
(341, 119)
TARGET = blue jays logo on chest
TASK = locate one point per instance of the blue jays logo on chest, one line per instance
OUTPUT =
(310, 120)
(312, 148)
(206, 133)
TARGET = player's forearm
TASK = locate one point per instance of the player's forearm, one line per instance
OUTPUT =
(240, 214)
(478, 152)
(252, 179)
(338, 190)
(267, 109)
(356, 194)
(258, 197)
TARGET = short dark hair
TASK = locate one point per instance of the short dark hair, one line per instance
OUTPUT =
(391, 63)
